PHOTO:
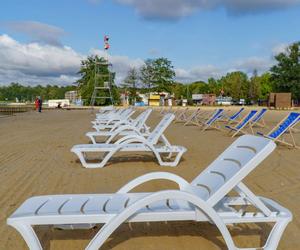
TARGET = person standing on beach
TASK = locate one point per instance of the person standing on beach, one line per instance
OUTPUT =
(40, 102)
(36, 104)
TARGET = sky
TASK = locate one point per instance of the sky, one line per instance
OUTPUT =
(43, 42)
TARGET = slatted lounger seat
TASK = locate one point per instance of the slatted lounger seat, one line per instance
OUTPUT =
(131, 143)
(204, 199)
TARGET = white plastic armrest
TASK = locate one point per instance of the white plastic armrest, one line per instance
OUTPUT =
(128, 137)
(182, 183)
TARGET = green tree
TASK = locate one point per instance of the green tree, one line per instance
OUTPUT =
(158, 74)
(266, 85)
(254, 87)
(214, 86)
(163, 74)
(147, 75)
(131, 84)
(286, 74)
(235, 84)
(95, 71)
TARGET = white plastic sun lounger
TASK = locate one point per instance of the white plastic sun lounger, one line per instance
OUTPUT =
(134, 143)
(106, 110)
(137, 126)
(109, 123)
(204, 199)
(109, 120)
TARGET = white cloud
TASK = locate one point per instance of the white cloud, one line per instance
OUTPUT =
(35, 63)
(248, 65)
(279, 48)
(42, 59)
(174, 9)
(39, 32)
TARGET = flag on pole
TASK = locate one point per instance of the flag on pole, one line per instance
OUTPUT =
(106, 44)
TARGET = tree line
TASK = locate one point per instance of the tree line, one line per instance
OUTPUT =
(17, 92)
(284, 76)
(159, 75)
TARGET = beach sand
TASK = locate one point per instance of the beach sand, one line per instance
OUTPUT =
(35, 159)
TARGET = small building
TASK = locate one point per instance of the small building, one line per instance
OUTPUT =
(197, 98)
(280, 100)
(154, 100)
(209, 99)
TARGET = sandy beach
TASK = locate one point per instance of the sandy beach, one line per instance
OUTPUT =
(35, 159)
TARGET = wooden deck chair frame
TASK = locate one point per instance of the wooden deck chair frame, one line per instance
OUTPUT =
(194, 117)
(234, 117)
(182, 116)
(288, 130)
(212, 120)
(244, 122)
(261, 121)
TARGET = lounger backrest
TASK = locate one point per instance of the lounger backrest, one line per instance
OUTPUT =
(141, 119)
(290, 120)
(161, 127)
(259, 115)
(215, 116)
(231, 167)
(237, 114)
(246, 119)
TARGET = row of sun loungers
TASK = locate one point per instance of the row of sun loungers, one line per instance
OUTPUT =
(134, 137)
(237, 125)
(208, 198)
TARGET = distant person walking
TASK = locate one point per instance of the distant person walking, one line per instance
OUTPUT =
(40, 104)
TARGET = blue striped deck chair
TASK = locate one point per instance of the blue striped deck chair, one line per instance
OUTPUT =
(212, 121)
(258, 120)
(181, 116)
(243, 123)
(193, 119)
(233, 118)
(285, 126)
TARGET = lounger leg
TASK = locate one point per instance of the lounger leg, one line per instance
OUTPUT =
(169, 163)
(101, 164)
(92, 138)
(28, 235)
(275, 234)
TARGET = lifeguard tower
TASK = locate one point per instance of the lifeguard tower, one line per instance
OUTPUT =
(103, 82)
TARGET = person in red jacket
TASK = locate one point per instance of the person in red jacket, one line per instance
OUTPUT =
(36, 103)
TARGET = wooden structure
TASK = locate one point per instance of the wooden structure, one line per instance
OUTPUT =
(280, 100)
(209, 99)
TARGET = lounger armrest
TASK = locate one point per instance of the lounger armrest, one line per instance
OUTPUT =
(122, 127)
(182, 183)
(119, 124)
(131, 138)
